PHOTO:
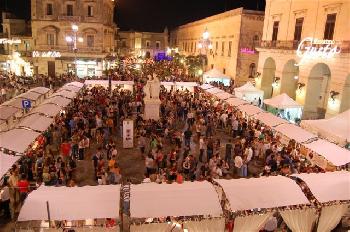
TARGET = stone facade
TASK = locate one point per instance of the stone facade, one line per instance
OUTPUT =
(322, 83)
(146, 44)
(233, 35)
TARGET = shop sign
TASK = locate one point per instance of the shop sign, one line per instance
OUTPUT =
(49, 54)
(10, 41)
(247, 51)
(311, 48)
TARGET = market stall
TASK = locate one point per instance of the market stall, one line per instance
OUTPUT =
(336, 129)
(168, 85)
(42, 90)
(324, 152)
(234, 102)
(215, 75)
(76, 83)
(35, 122)
(78, 207)
(64, 93)
(6, 162)
(214, 91)
(58, 100)
(8, 115)
(183, 86)
(191, 206)
(71, 88)
(17, 140)
(251, 202)
(331, 189)
(35, 98)
(284, 107)
(206, 86)
(249, 93)
(290, 131)
(269, 119)
(249, 110)
(49, 109)
(125, 85)
(224, 96)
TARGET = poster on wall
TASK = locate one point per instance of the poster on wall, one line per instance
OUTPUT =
(128, 133)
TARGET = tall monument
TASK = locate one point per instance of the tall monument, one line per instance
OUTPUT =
(151, 99)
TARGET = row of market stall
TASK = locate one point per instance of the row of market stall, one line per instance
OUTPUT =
(193, 206)
(26, 131)
(325, 154)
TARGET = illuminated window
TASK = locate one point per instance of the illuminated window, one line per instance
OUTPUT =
(216, 47)
(69, 10)
(224, 71)
(90, 40)
(329, 27)
(298, 28)
(90, 11)
(157, 44)
(275, 30)
(49, 9)
(50, 39)
(252, 70)
(229, 48)
(148, 44)
(223, 48)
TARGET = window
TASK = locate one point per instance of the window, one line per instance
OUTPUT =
(157, 44)
(50, 39)
(90, 11)
(275, 30)
(224, 71)
(216, 47)
(222, 48)
(229, 48)
(255, 41)
(148, 44)
(329, 27)
(69, 10)
(252, 70)
(124, 43)
(49, 9)
(212, 66)
(298, 29)
(195, 47)
(90, 40)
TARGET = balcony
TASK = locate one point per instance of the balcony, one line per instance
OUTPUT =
(66, 48)
(69, 18)
(293, 45)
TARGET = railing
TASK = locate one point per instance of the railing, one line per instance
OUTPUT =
(66, 48)
(69, 18)
(293, 44)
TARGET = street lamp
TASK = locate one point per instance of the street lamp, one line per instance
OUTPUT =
(74, 39)
(205, 43)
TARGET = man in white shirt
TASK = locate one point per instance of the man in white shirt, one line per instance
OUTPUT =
(201, 148)
(238, 165)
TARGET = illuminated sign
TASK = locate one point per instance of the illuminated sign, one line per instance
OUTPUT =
(50, 54)
(247, 51)
(307, 50)
(10, 41)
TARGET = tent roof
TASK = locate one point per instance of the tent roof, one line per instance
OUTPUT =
(71, 88)
(15, 102)
(329, 186)
(7, 111)
(336, 129)
(50, 110)
(223, 96)
(282, 101)
(72, 203)
(186, 199)
(65, 93)
(183, 83)
(17, 140)
(206, 86)
(263, 192)
(58, 100)
(214, 90)
(6, 162)
(41, 90)
(294, 132)
(215, 73)
(36, 122)
(248, 87)
(75, 83)
(336, 155)
(250, 109)
(30, 95)
(270, 119)
(167, 83)
(235, 102)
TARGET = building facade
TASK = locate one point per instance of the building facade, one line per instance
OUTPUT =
(305, 53)
(233, 37)
(145, 44)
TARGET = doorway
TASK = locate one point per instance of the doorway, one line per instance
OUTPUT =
(51, 70)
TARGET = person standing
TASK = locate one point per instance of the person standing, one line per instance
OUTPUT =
(238, 165)
(23, 187)
(228, 151)
(14, 194)
(5, 200)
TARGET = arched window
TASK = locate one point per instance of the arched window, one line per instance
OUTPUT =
(252, 70)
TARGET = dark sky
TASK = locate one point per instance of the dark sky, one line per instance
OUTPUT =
(153, 15)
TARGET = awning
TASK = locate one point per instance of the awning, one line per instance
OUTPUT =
(206, 86)
(17, 140)
(36, 122)
(235, 102)
(49, 110)
(58, 100)
(294, 132)
(270, 119)
(7, 111)
(250, 109)
(6, 162)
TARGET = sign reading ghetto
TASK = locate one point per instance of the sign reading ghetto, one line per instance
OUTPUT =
(325, 49)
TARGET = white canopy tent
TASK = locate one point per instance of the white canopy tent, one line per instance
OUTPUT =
(290, 131)
(224, 95)
(72, 203)
(270, 119)
(36, 98)
(338, 156)
(65, 93)
(168, 85)
(336, 129)
(265, 193)
(125, 85)
(329, 187)
(6, 162)
(217, 76)
(8, 115)
(183, 86)
(41, 90)
(58, 100)
(50, 110)
(15, 102)
(235, 102)
(288, 108)
(76, 83)
(214, 91)
(36, 122)
(151, 200)
(250, 110)
(71, 88)
(17, 140)
(206, 86)
(249, 93)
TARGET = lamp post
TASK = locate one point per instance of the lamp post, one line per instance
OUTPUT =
(205, 43)
(74, 39)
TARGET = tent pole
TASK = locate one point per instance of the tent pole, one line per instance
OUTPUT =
(48, 213)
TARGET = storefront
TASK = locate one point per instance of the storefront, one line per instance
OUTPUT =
(89, 68)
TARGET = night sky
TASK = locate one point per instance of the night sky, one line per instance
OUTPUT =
(153, 15)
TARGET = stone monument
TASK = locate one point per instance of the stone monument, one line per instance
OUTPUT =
(151, 99)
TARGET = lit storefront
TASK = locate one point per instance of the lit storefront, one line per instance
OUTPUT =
(89, 68)
(17, 65)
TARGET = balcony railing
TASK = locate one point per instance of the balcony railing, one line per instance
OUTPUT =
(66, 48)
(69, 18)
(293, 44)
